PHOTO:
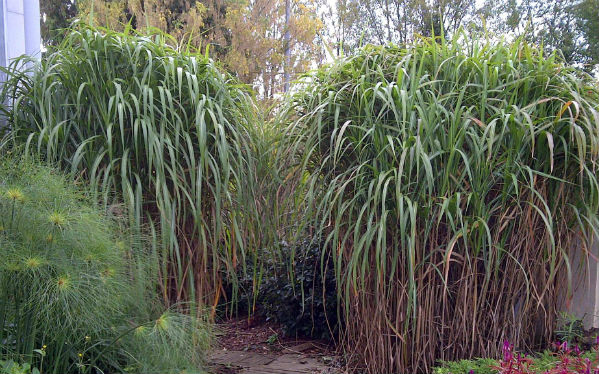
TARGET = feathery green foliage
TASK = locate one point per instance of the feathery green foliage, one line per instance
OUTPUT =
(160, 129)
(451, 179)
(73, 297)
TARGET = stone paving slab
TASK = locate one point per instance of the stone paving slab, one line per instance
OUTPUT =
(256, 363)
(240, 358)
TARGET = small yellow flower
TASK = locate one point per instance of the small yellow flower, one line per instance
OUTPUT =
(80, 354)
(87, 338)
(57, 219)
(15, 194)
(44, 347)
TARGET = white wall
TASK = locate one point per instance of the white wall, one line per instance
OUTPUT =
(19, 29)
(585, 300)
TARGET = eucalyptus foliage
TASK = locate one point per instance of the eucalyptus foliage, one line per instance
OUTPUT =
(73, 295)
(159, 128)
(451, 180)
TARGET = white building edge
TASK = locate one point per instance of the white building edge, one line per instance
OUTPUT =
(19, 29)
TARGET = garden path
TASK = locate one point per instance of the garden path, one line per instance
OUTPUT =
(260, 349)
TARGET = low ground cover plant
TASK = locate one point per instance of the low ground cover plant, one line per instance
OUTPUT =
(73, 298)
(474, 366)
(11, 367)
(562, 359)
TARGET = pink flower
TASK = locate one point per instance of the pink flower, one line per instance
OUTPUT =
(507, 351)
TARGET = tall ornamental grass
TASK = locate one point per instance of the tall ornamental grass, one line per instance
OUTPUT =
(156, 127)
(77, 296)
(452, 181)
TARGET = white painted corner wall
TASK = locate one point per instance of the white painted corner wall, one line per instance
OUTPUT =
(19, 29)
(585, 276)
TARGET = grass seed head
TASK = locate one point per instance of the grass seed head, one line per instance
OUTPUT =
(57, 219)
(33, 262)
(63, 282)
(162, 322)
(15, 194)
(140, 330)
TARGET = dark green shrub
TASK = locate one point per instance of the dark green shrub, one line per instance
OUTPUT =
(303, 297)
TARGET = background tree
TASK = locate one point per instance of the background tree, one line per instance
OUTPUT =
(572, 27)
(181, 19)
(257, 51)
(587, 16)
(246, 36)
(56, 15)
(398, 21)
